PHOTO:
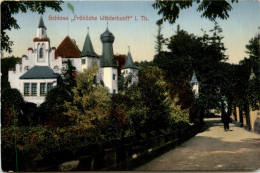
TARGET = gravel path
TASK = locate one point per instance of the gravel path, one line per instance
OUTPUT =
(212, 149)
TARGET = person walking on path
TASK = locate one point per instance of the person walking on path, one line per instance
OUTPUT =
(226, 121)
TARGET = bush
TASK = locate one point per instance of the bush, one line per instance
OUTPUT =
(39, 146)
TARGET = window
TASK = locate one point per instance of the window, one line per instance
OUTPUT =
(83, 61)
(41, 53)
(114, 91)
(42, 88)
(49, 86)
(26, 68)
(34, 89)
(26, 88)
(114, 77)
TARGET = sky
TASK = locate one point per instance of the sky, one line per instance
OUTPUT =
(238, 29)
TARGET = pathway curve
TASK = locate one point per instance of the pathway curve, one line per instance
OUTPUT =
(212, 149)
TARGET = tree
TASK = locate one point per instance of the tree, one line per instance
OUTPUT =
(10, 8)
(178, 64)
(159, 40)
(210, 9)
(253, 90)
(69, 76)
(52, 111)
(90, 103)
(253, 52)
(187, 53)
(153, 90)
(12, 102)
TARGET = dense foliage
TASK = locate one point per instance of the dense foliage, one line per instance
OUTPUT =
(210, 9)
(11, 105)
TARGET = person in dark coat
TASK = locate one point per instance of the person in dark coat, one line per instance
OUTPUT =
(226, 120)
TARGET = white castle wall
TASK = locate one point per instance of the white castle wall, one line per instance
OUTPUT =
(108, 79)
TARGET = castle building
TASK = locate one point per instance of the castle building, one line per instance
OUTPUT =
(38, 71)
(129, 69)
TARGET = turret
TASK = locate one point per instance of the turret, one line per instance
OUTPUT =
(107, 39)
(88, 50)
(41, 31)
(41, 45)
(195, 85)
(108, 63)
(130, 69)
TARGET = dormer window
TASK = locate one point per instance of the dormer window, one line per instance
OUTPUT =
(41, 53)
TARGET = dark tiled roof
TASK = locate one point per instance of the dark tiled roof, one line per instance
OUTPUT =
(39, 72)
(107, 37)
(41, 24)
(129, 61)
(88, 49)
(107, 58)
(67, 49)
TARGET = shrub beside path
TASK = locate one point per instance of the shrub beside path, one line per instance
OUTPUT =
(212, 149)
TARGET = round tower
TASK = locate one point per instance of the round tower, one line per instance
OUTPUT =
(108, 63)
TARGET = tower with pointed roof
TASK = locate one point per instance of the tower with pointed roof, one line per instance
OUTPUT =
(108, 63)
(88, 55)
(41, 31)
(195, 85)
(130, 70)
(41, 45)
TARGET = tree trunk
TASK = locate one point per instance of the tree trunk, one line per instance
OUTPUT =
(241, 120)
(235, 112)
(247, 114)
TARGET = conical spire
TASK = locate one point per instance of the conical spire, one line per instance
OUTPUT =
(129, 61)
(88, 49)
(41, 24)
(193, 78)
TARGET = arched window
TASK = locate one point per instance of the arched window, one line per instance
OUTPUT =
(41, 53)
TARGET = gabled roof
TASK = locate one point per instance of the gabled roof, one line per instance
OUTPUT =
(67, 49)
(88, 49)
(41, 24)
(39, 72)
(129, 61)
